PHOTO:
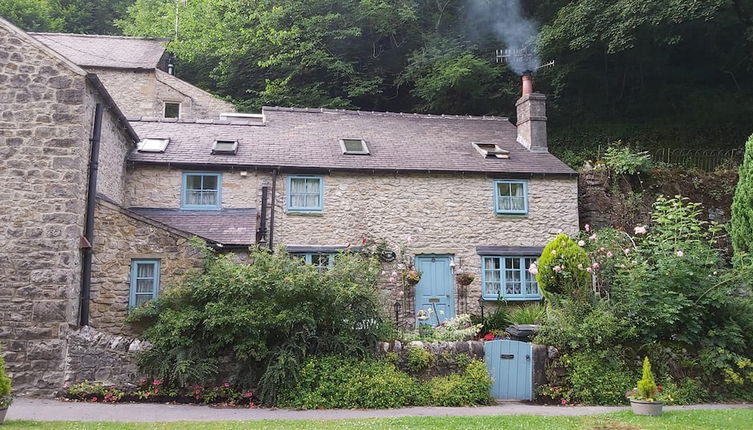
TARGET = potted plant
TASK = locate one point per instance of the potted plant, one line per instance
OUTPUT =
(644, 398)
(464, 279)
(5, 397)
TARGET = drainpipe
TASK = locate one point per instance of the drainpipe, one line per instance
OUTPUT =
(261, 236)
(272, 211)
(91, 201)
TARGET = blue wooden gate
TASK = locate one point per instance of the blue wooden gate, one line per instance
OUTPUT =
(434, 293)
(510, 364)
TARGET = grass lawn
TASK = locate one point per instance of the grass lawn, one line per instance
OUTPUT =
(685, 420)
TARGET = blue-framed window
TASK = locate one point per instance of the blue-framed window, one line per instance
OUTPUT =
(305, 193)
(511, 197)
(144, 282)
(322, 260)
(201, 191)
(507, 278)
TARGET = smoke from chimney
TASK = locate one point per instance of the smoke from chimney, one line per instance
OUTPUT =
(504, 19)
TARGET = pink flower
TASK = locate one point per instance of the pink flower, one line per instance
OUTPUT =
(533, 269)
(602, 249)
(679, 253)
(626, 251)
(641, 229)
(592, 237)
(595, 266)
(94, 399)
(622, 266)
(587, 227)
(226, 385)
(400, 294)
(392, 279)
(157, 382)
(609, 254)
(581, 243)
(580, 266)
(563, 402)
(248, 394)
(589, 270)
(557, 269)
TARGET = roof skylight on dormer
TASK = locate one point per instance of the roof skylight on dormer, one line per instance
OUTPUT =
(491, 150)
(225, 147)
(351, 146)
(152, 144)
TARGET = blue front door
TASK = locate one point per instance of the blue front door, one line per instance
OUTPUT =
(434, 296)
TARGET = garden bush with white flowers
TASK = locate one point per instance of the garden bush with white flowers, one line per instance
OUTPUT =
(662, 290)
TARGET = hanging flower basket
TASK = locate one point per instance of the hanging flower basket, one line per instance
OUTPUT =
(412, 276)
(464, 279)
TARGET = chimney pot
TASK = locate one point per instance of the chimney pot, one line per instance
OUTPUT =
(527, 82)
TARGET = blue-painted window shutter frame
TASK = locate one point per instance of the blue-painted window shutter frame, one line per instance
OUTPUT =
(150, 280)
(217, 205)
(500, 207)
(292, 206)
(500, 273)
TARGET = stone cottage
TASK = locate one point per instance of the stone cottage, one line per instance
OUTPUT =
(103, 206)
(138, 72)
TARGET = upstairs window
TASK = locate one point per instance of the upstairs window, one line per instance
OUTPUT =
(305, 193)
(144, 282)
(510, 197)
(172, 110)
(354, 147)
(201, 191)
(152, 144)
(507, 278)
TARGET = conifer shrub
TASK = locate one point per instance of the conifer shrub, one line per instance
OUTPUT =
(741, 225)
(5, 387)
(647, 386)
(563, 268)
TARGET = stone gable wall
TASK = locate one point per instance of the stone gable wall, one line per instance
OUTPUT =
(120, 237)
(142, 93)
(44, 146)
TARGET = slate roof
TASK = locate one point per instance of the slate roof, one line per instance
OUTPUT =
(308, 139)
(228, 226)
(120, 52)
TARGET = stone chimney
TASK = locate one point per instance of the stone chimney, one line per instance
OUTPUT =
(531, 117)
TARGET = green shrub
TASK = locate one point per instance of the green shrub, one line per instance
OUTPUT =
(459, 328)
(497, 320)
(462, 360)
(622, 159)
(419, 359)
(646, 385)
(94, 391)
(472, 387)
(688, 391)
(599, 378)
(267, 317)
(741, 225)
(528, 314)
(338, 382)
(562, 269)
(5, 387)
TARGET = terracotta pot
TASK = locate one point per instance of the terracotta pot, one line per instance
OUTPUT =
(642, 407)
(2, 415)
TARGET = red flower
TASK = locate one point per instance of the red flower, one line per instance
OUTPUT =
(659, 388)
(157, 382)
(94, 399)
(226, 385)
(489, 336)
(248, 394)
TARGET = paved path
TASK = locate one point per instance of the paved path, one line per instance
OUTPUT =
(52, 410)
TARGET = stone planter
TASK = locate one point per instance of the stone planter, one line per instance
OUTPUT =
(2, 415)
(642, 407)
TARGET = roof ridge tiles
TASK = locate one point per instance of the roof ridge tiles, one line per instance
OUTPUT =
(99, 36)
(384, 113)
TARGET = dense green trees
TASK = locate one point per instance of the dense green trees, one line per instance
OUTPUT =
(651, 72)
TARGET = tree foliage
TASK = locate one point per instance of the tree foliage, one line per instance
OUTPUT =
(741, 226)
(70, 16)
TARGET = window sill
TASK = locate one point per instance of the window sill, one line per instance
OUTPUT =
(201, 208)
(511, 299)
(511, 216)
(304, 213)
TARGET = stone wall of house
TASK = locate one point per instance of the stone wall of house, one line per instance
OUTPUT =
(141, 93)
(448, 357)
(122, 236)
(44, 147)
(159, 187)
(441, 214)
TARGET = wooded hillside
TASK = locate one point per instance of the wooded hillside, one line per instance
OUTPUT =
(655, 73)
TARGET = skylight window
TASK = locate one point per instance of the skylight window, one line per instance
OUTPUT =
(153, 145)
(354, 146)
(491, 150)
(225, 147)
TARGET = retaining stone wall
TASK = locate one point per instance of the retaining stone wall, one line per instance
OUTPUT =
(445, 354)
(92, 355)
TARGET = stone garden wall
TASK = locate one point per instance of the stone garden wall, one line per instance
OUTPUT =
(92, 355)
(447, 356)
